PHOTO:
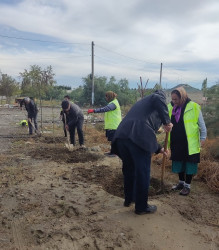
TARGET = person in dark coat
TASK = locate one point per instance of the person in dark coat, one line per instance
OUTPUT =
(135, 141)
(32, 111)
(74, 119)
(23, 103)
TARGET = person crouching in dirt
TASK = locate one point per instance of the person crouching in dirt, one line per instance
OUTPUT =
(67, 98)
(185, 138)
(112, 116)
(74, 119)
(32, 111)
(23, 123)
(135, 141)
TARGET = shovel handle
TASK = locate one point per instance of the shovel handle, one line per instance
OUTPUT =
(68, 139)
(33, 126)
(164, 157)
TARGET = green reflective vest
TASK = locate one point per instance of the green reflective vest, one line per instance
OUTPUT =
(190, 118)
(113, 118)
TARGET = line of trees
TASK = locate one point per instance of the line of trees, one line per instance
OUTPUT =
(8, 87)
(39, 83)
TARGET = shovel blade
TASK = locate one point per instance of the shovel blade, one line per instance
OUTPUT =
(38, 132)
(70, 147)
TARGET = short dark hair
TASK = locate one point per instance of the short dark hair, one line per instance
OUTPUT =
(65, 104)
(67, 96)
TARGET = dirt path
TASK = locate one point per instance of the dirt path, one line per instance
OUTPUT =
(53, 199)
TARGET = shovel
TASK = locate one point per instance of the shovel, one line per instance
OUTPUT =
(163, 165)
(68, 145)
(164, 161)
(37, 131)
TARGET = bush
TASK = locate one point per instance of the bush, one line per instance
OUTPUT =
(209, 167)
(210, 150)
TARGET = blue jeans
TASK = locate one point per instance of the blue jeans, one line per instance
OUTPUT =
(136, 171)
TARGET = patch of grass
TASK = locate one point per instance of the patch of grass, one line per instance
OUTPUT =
(99, 127)
(210, 151)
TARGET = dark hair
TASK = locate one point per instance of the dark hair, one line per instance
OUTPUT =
(65, 104)
(67, 96)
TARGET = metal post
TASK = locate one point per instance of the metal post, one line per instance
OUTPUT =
(161, 65)
(92, 67)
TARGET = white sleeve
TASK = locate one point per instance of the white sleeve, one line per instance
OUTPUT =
(202, 127)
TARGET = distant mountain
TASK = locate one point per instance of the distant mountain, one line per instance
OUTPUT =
(194, 94)
(188, 88)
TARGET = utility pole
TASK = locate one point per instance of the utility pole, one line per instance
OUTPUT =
(161, 65)
(92, 72)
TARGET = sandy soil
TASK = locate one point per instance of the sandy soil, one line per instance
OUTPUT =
(55, 199)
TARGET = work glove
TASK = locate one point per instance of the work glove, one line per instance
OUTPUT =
(90, 111)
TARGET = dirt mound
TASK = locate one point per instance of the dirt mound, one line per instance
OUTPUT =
(60, 154)
(111, 179)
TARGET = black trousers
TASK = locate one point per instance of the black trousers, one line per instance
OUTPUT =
(185, 177)
(79, 126)
(136, 171)
(33, 121)
(110, 133)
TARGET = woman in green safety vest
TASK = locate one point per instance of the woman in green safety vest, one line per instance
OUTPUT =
(187, 135)
(112, 116)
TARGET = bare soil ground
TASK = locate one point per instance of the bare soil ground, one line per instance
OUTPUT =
(51, 198)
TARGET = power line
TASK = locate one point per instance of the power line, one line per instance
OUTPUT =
(45, 58)
(132, 58)
(36, 40)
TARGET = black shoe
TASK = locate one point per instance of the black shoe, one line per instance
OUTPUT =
(185, 191)
(109, 154)
(179, 186)
(149, 210)
(127, 203)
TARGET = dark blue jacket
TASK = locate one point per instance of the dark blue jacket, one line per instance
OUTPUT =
(142, 122)
(31, 108)
(73, 115)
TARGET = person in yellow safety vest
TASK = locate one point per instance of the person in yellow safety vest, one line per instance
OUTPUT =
(112, 116)
(187, 136)
(23, 123)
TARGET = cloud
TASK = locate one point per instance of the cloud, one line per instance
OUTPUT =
(132, 38)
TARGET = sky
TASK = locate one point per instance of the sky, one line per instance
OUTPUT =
(131, 40)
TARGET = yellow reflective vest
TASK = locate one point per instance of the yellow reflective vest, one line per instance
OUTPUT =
(113, 118)
(190, 118)
(23, 122)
